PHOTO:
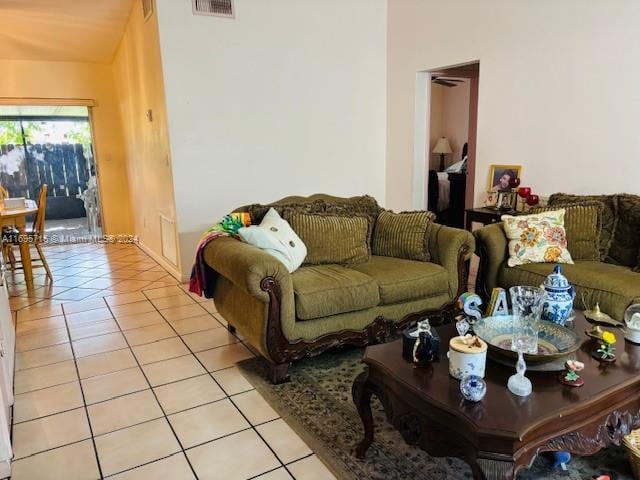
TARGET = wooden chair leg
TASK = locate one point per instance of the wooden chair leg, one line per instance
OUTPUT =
(43, 260)
(12, 258)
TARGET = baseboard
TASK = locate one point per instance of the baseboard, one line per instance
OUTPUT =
(164, 263)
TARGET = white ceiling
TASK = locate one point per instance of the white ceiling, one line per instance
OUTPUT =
(62, 30)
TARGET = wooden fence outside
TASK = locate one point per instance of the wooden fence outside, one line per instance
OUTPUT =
(63, 167)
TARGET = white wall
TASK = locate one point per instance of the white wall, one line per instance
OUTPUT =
(287, 98)
(558, 90)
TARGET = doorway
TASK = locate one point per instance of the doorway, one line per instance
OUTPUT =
(53, 145)
(450, 140)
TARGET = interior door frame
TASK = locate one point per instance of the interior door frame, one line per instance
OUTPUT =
(422, 128)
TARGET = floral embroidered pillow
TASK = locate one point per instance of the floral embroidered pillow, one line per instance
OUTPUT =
(537, 238)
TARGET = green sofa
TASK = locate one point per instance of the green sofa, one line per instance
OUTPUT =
(613, 280)
(286, 316)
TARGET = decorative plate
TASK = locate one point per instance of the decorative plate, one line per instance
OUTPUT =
(554, 341)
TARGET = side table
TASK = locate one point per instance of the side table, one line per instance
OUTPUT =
(485, 215)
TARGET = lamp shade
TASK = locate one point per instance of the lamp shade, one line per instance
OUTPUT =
(442, 146)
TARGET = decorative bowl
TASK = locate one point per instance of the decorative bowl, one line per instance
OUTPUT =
(554, 341)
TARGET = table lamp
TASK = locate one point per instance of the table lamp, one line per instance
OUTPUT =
(442, 147)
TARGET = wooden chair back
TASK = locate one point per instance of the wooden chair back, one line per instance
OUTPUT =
(38, 222)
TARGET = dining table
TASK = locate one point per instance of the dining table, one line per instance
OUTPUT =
(18, 217)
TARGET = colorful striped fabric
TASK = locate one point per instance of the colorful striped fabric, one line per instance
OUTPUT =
(201, 275)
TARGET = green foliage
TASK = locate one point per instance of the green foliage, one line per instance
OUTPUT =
(79, 133)
(10, 132)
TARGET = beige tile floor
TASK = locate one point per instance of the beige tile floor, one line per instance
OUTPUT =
(121, 373)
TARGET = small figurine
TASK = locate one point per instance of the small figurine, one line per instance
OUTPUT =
(462, 326)
(570, 375)
(423, 348)
(498, 304)
(561, 460)
(595, 332)
(606, 350)
(470, 304)
(599, 316)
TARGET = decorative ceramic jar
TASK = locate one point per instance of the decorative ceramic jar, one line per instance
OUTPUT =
(632, 323)
(558, 303)
(473, 388)
(467, 356)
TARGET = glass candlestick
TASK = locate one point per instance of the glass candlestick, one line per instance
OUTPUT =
(519, 384)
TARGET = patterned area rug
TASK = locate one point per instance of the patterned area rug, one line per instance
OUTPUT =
(317, 404)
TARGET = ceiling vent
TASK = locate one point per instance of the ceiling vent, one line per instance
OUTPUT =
(147, 9)
(217, 8)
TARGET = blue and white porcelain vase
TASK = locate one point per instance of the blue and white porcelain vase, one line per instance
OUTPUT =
(473, 388)
(558, 302)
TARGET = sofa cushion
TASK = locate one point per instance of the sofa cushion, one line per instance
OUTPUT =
(333, 239)
(625, 246)
(363, 205)
(403, 235)
(613, 286)
(401, 280)
(609, 214)
(583, 224)
(324, 290)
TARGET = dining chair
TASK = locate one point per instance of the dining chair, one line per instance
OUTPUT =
(34, 236)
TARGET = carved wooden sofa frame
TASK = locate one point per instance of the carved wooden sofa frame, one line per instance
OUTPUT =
(282, 352)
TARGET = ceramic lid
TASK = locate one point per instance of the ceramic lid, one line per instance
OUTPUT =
(556, 281)
(462, 344)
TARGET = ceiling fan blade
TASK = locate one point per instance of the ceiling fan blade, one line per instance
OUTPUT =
(444, 83)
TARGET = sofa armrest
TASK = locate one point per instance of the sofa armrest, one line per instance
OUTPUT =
(262, 277)
(452, 248)
(245, 266)
(493, 251)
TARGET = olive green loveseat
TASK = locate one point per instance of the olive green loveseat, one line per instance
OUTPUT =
(286, 316)
(612, 280)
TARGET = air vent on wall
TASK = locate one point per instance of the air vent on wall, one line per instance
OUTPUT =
(218, 8)
(147, 9)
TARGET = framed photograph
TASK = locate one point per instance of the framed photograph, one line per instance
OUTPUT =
(506, 201)
(500, 175)
(491, 199)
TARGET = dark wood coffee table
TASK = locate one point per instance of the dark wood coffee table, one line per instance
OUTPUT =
(503, 433)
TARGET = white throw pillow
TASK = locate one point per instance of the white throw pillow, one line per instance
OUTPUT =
(457, 167)
(276, 237)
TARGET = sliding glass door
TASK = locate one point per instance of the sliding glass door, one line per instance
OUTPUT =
(56, 150)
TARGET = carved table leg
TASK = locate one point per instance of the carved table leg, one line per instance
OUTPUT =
(487, 469)
(361, 393)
